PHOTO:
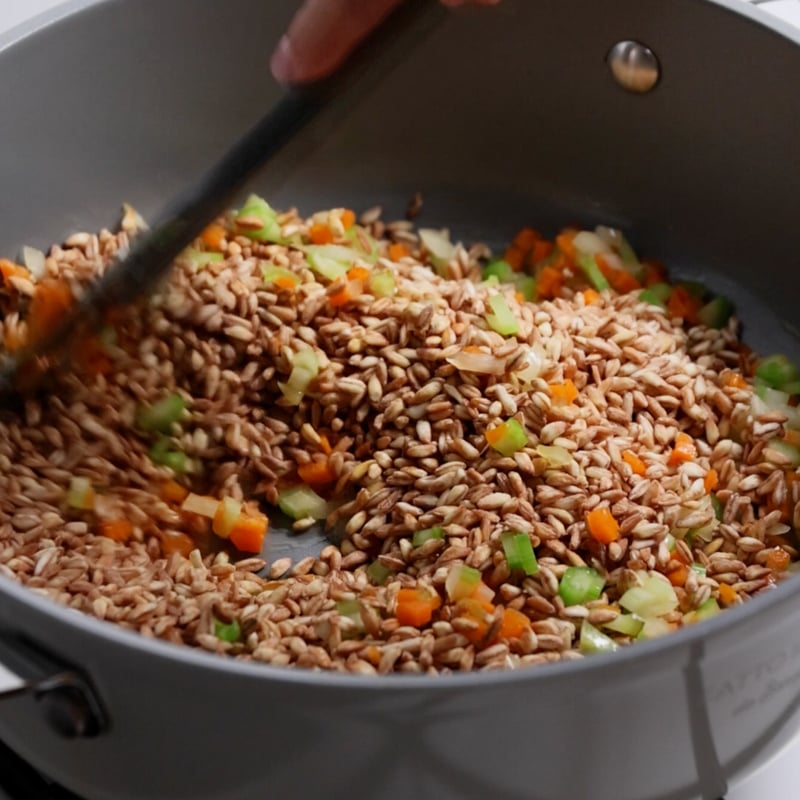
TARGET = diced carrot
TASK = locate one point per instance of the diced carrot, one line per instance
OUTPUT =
(682, 303)
(564, 393)
(285, 282)
(495, 434)
(549, 283)
(620, 279)
(478, 612)
(472, 348)
(416, 606)
(172, 542)
(248, 533)
(590, 296)
(777, 559)
(373, 655)
(325, 445)
(519, 297)
(525, 239)
(320, 234)
(634, 462)
(678, 576)
(541, 250)
(684, 450)
(347, 294)
(213, 236)
(566, 244)
(735, 380)
(711, 481)
(120, 530)
(172, 492)
(515, 623)
(89, 354)
(14, 338)
(51, 301)
(655, 272)
(8, 269)
(515, 258)
(398, 250)
(348, 218)
(358, 274)
(602, 526)
(727, 594)
(316, 473)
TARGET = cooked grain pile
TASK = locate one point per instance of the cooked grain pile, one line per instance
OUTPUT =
(408, 386)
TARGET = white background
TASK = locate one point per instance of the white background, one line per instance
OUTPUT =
(778, 781)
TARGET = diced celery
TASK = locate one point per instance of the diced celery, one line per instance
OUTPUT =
(272, 274)
(80, 494)
(519, 552)
(228, 631)
(500, 269)
(331, 260)
(514, 438)
(382, 284)
(716, 313)
(654, 598)
(653, 628)
(626, 624)
(526, 286)
(501, 320)
(580, 585)
(378, 573)
(302, 502)
(592, 272)
(260, 209)
(699, 569)
(199, 258)
(439, 246)
(420, 537)
(594, 641)
(776, 371)
(719, 507)
(461, 582)
(788, 451)
(791, 388)
(305, 368)
(364, 243)
(648, 296)
(708, 609)
(349, 607)
(159, 417)
(162, 455)
(225, 519)
(694, 288)
(661, 290)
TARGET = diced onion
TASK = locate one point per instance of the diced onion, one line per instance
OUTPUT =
(590, 243)
(594, 641)
(225, 518)
(654, 598)
(34, 260)
(484, 363)
(201, 505)
(531, 365)
(438, 244)
(461, 582)
(554, 455)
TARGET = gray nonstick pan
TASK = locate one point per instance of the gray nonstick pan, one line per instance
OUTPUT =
(502, 118)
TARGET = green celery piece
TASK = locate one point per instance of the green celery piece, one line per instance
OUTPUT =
(776, 371)
(301, 502)
(526, 286)
(580, 585)
(331, 260)
(592, 272)
(661, 290)
(648, 296)
(358, 236)
(79, 492)
(501, 320)
(378, 573)
(626, 624)
(716, 313)
(159, 417)
(382, 284)
(256, 206)
(694, 288)
(500, 269)
(519, 552)
(791, 388)
(162, 454)
(719, 507)
(420, 537)
(349, 608)
(514, 438)
(699, 569)
(594, 641)
(708, 609)
(199, 258)
(788, 451)
(228, 632)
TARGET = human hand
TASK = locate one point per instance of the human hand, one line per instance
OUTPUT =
(324, 32)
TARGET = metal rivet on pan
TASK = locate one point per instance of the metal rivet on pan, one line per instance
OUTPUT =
(634, 66)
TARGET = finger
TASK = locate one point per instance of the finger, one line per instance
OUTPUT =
(322, 34)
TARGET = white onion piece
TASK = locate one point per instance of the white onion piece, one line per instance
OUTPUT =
(34, 260)
(611, 236)
(590, 244)
(531, 365)
(555, 455)
(484, 363)
(132, 220)
(654, 598)
(200, 505)
(438, 244)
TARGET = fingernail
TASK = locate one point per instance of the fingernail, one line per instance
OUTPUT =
(282, 63)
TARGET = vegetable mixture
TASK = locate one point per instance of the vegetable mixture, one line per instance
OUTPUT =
(519, 457)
